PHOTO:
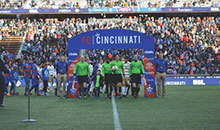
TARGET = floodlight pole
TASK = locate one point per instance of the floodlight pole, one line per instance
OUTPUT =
(29, 114)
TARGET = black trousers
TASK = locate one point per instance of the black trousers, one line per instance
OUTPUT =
(45, 85)
(1, 97)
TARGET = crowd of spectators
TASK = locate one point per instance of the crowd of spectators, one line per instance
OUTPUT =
(27, 4)
(191, 45)
(13, 27)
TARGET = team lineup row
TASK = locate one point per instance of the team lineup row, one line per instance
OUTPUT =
(113, 75)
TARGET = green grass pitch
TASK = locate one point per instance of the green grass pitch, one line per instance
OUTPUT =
(183, 108)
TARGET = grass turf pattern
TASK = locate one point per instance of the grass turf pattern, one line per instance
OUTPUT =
(184, 107)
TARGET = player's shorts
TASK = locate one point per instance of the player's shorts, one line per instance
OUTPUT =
(26, 79)
(6, 79)
(136, 78)
(108, 78)
(35, 82)
(51, 77)
(117, 78)
(126, 80)
(82, 79)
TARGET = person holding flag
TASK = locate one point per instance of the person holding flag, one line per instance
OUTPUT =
(82, 69)
(107, 74)
(136, 69)
(118, 69)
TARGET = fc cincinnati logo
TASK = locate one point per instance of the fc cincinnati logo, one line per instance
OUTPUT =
(149, 66)
(73, 91)
(111, 39)
(149, 90)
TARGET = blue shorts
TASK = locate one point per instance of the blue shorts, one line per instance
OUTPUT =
(27, 79)
(35, 82)
(6, 80)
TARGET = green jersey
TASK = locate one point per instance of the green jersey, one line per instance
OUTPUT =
(119, 65)
(83, 69)
(136, 67)
(106, 68)
(97, 81)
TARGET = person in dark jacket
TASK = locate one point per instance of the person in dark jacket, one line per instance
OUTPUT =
(2, 85)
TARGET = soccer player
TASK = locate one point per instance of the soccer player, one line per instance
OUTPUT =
(83, 71)
(126, 82)
(15, 78)
(161, 67)
(7, 80)
(51, 69)
(136, 69)
(98, 81)
(35, 79)
(27, 75)
(45, 77)
(107, 73)
(61, 68)
(88, 79)
(117, 74)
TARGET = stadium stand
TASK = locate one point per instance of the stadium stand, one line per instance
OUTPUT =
(12, 44)
(191, 45)
(27, 4)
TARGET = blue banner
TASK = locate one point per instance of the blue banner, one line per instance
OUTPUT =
(73, 10)
(193, 80)
(190, 9)
(113, 39)
(111, 10)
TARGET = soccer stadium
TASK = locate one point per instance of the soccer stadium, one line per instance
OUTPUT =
(109, 64)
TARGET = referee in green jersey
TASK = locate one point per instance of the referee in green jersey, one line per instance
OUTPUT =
(117, 74)
(136, 69)
(83, 70)
(107, 74)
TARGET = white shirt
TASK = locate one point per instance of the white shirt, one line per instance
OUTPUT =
(51, 70)
(126, 69)
(91, 68)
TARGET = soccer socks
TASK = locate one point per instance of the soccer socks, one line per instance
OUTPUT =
(104, 89)
(116, 91)
(82, 91)
(85, 91)
(107, 88)
(123, 90)
(110, 90)
(138, 89)
(119, 90)
(88, 88)
(98, 92)
(128, 88)
(132, 91)
(26, 89)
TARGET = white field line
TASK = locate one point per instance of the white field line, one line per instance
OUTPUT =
(115, 114)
